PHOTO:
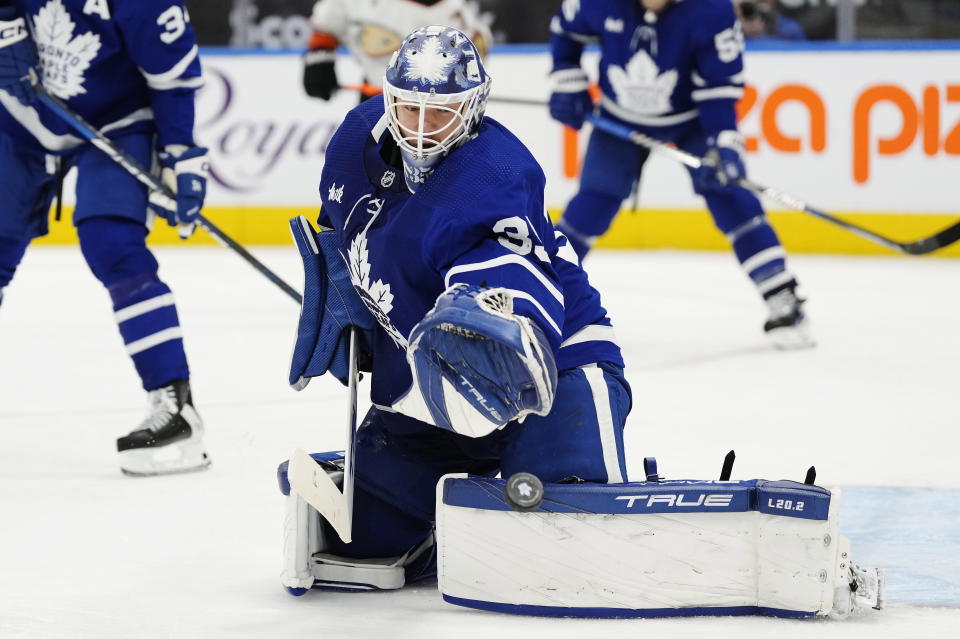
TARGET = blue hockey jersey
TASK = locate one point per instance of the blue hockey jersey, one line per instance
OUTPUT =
(478, 219)
(658, 69)
(124, 65)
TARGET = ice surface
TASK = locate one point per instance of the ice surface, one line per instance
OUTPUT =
(86, 552)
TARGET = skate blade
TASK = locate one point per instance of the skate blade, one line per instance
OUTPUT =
(791, 338)
(179, 457)
(167, 471)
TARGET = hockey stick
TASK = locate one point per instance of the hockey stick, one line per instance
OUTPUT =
(313, 483)
(160, 193)
(923, 246)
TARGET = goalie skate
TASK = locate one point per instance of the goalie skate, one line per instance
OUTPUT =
(864, 590)
(787, 326)
(169, 440)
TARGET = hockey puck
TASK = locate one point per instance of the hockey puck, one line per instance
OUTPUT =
(523, 492)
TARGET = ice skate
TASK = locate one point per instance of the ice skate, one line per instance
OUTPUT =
(787, 326)
(170, 439)
(863, 591)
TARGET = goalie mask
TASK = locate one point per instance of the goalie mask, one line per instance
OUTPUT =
(435, 91)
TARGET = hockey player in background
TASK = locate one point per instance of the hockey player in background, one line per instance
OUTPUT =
(130, 68)
(490, 350)
(673, 70)
(372, 30)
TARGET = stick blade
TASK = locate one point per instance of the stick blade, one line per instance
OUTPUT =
(310, 481)
(944, 238)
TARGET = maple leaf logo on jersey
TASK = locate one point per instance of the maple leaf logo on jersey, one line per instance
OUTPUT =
(376, 296)
(63, 58)
(641, 87)
(428, 63)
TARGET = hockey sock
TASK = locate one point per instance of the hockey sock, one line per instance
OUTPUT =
(143, 305)
(761, 256)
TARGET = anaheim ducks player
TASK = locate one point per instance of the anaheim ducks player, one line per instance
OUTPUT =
(372, 30)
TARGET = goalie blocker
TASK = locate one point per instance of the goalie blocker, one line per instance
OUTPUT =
(650, 549)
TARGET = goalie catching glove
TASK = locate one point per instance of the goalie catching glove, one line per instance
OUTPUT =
(477, 365)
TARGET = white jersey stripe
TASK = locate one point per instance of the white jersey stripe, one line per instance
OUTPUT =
(503, 260)
(759, 259)
(174, 72)
(179, 83)
(591, 333)
(526, 296)
(649, 120)
(140, 308)
(608, 439)
(769, 284)
(157, 338)
(30, 120)
(146, 113)
(701, 95)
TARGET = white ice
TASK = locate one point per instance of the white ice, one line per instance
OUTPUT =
(87, 552)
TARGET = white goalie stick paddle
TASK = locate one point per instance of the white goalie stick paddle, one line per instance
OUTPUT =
(311, 481)
(922, 246)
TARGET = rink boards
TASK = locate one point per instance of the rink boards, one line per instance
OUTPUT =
(871, 133)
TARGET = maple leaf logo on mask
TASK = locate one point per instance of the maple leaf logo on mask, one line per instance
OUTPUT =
(428, 63)
(63, 57)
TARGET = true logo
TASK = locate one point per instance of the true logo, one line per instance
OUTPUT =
(680, 500)
(387, 180)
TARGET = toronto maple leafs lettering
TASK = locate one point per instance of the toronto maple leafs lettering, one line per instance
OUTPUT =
(655, 70)
(64, 57)
(126, 66)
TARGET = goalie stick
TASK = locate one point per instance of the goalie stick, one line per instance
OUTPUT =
(312, 482)
(161, 194)
(922, 246)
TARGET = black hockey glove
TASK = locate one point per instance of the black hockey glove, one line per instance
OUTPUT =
(319, 73)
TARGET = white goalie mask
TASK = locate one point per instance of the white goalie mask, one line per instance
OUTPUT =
(435, 91)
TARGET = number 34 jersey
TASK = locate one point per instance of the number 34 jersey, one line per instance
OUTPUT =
(656, 70)
(478, 219)
(124, 65)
